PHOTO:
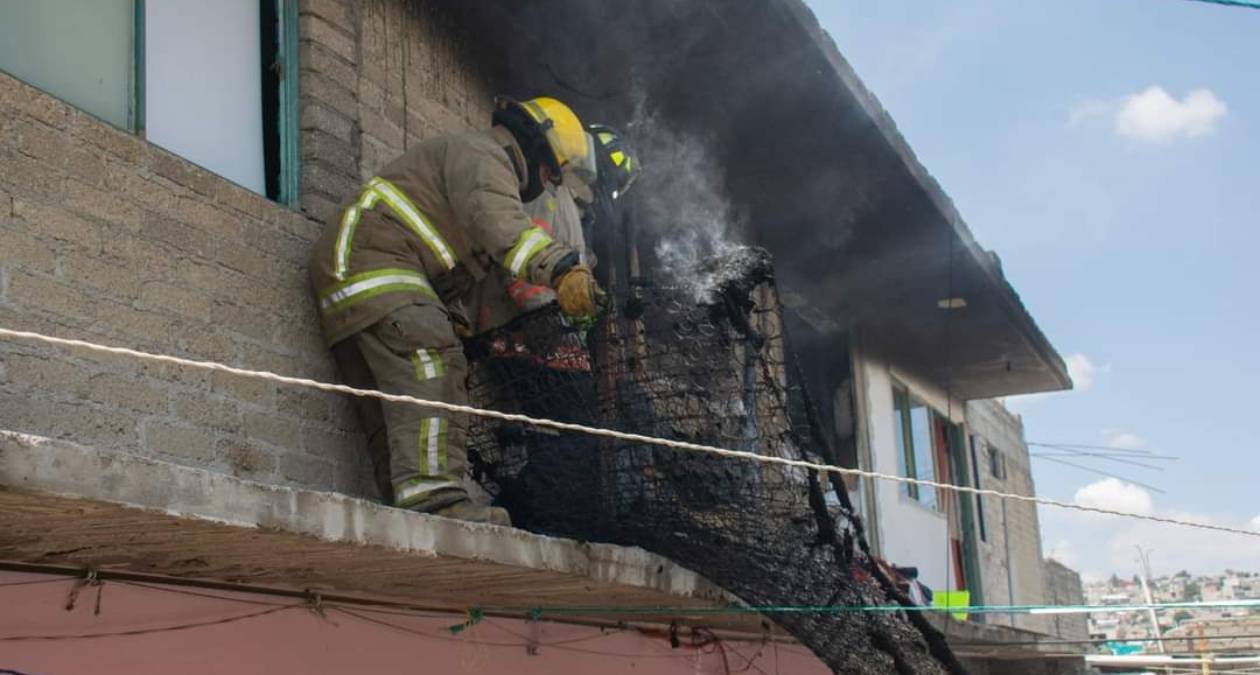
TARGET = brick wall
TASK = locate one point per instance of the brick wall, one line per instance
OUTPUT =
(1063, 587)
(106, 237)
(1011, 527)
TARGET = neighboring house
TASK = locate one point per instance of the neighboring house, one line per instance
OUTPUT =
(1063, 587)
(164, 168)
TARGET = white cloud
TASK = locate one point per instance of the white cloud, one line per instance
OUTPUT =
(1153, 115)
(1255, 522)
(1083, 371)
(1124, 440)
(1065, 552)
(1117, 495)
(1105, 544)
(1080, 368)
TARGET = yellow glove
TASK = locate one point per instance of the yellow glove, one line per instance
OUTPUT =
(577, 292)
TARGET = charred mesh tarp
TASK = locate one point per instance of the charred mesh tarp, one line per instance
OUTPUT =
(717, 371)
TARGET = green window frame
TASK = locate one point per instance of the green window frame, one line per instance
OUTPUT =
(281, 118)
(914, 461)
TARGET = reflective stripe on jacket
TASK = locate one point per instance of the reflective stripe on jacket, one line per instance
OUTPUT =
(450, 205)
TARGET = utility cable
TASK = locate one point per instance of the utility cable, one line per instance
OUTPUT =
(1249, 4)
(1100, 472)
(593, 431)
(147, 631)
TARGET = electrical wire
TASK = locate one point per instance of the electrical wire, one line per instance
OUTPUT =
(1104, 449)
(1100, 472)
(148, 631)
(593, 431)
(1248, 4)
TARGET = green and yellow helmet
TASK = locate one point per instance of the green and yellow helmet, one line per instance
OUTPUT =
(617, 164)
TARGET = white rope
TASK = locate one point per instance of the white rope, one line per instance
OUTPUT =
(594, 431)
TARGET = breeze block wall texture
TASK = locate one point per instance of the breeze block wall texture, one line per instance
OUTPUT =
(1018, 529)
(108, 238)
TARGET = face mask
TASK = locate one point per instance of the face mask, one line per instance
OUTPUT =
(534, 188)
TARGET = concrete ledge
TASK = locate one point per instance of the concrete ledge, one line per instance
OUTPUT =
(66, 504)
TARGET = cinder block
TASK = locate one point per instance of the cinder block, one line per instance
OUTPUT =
(299, 225)
(46, 375)
(37, 292)
(30, 178)
(234, 254)
(253, 395)
(179, 441)
(319, 177)
(318, 58)
(320, 208)
(54, 147)
(330, 444)
(162, 297)
(98, 203)
(338, 40)
(125, 146)
(139, 328)
(18, 98)
(77, 422)
(256, 357)
(200, 213)
(306, 470)
(110, 277)
(245, 319)
(59, 224)
(18, 248)
(338, 13)
(306, 404)
(206, 411)
(320, 146)
(381, 130)
(178, 236)
(245, 459)
(245, 201)
(180, 171)
(119, 391)
(317, 115)
(154, 195)
(331, 93)
(275, 429)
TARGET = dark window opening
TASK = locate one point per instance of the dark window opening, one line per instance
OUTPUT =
(975, 476)
(272, 72)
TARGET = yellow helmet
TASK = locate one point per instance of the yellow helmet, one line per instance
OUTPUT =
(566, 138)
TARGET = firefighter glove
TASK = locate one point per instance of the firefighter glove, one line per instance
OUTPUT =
(577, 292)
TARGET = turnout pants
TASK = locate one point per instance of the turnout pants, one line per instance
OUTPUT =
(417, 453)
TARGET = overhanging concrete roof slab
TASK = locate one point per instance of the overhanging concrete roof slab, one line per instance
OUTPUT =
(69, 505)
(862, 234)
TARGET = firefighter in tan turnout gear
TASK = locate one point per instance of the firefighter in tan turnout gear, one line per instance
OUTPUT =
(389, 277)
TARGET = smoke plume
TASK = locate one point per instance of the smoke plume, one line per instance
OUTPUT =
(683, 204)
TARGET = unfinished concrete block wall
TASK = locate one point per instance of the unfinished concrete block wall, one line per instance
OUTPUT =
(1063, 587)
(108, 238)
(1010, 556)
(377, 76)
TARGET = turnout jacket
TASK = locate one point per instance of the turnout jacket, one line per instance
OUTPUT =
(425, 228)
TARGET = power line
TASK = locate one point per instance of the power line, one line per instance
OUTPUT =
(147, 631)
(1100, 472)
(593, 431)
(1105, 449)
(1094, 455)
(1249, 4)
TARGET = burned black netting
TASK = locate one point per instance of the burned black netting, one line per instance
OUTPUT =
(717, 371)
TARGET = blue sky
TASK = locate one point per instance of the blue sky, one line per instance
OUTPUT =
(1127, 217)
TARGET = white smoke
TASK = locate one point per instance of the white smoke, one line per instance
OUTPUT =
(684, 204)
